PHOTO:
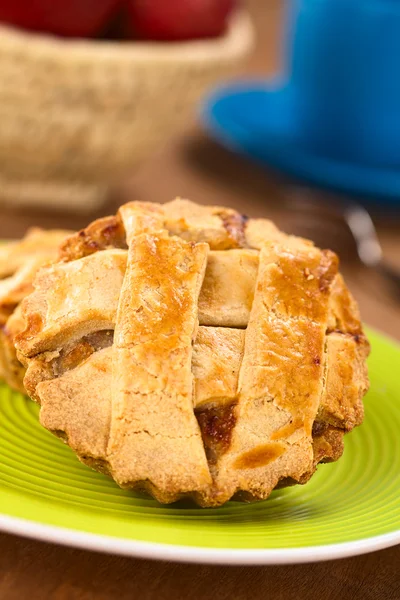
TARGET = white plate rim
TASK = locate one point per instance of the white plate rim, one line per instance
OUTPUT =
(193, 554)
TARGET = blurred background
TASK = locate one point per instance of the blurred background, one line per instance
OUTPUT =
(111, 115)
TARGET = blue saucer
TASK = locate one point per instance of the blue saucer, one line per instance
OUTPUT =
(256, 120)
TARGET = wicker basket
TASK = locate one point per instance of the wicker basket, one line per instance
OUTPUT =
(76, 114)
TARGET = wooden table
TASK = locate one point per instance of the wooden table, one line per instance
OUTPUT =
(191, 166)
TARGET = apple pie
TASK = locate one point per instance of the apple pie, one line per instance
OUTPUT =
(187, 350)
(19, 263)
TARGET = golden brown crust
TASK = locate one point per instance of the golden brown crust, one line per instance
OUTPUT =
(281, 375)
(221, 303)
(237, 362)
(222, 228)
(154, 433)
(346, 381)
(71, 300)
(344, 315)
(217, 356)
(102, 234)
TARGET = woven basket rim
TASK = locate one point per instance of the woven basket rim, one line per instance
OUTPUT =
(237, 40)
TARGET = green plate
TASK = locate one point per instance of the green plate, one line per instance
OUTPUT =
(348, 507)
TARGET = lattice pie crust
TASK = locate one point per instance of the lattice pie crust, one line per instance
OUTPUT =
(188, 351)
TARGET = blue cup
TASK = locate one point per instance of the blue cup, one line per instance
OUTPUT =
(334, 118)
(343, 58)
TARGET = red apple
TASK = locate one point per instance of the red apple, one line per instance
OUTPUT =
(72, 18)
(177, 19)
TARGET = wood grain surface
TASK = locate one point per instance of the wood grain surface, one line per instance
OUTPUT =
(192, 166)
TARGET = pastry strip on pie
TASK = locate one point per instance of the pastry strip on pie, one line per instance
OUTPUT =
(281, 377)
(217, 356)
(154, 435)
(347, 349)
(72, 300)
(228, 290)
(341, 404)
(141, 217)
